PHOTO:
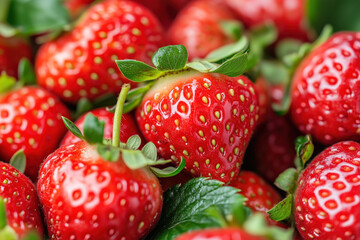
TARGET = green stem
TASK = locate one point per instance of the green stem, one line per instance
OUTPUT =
(4, 10)
(118, 112)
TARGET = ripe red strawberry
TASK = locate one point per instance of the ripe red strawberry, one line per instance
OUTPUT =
(326, 90)
(200, 27)
(81, 63)
(30, 120)
(21, 203)
(327, 197)
(128, 126)
(274, 146)
(287, 15)
(261, 196)
(229, 233)
(262, 88)
(87, 197)
(75, 7)
(206, 118)
(11, 51)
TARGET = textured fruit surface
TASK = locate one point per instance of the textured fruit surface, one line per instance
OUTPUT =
(85, 197)
(206, 118)
(219, 234)
(287, 15)
(21, 201)
(200, 27)
(11, 51)
(128, 126)
(82, 62)
(261, 196)
(326, 90)
(274, 146)
(327, 198)
(30, 119)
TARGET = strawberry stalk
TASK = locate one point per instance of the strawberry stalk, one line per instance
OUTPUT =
(118, 113)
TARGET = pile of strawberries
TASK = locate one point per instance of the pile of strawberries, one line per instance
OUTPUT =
(202, 119)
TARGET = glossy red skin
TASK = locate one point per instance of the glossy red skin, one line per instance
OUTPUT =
(85, 197)
(327, 197)
(160, 9)
(287, 15)
(22, 203)
(11, 51)
(326, 90)
(31, 120)
(261, 196)
(198, 28)
(262, 88)
(187, 91)
(274, 146)
(128, 126)
(109, 30)
(229, 233)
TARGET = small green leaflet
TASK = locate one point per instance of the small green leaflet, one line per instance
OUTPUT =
(6, 82)
(137, 71)
(18, 161)
(287, 180)
(108, 152)
(283, 210)
(304, 149)
(150, 151)
(170, 58)
(37, 16)
(232, 28)
(228, 51)
(3, 218)
(133, 142)
(169, 171)
(73, 128)
(93, 129)
(185, 208)
(26, 72)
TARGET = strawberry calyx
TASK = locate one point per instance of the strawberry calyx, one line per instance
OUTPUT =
(287, 180)
(291, 62)
(230, 60)
(111, 150)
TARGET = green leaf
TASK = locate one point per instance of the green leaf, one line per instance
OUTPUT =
(172, 57)
(37, 16)
(8, 31)
(139, 91)
(73, 128)
(26, 72)
(304, 149)
(4, 9)
(18, 160)
(287, 46)
(274, 72)
(287, 180)
(342, 15)
(228, 51)
(137, 71)
(3, 217)
(202, 66)
(232, 28)
(133, 142)
(185, 207)
(233, 67)
(108, 152)
(283, 210)
(31, 236)
(7, 83)
(132, 104)
(134, 159)
(93, 129)
(169, 171)
(83, 106)
(150, 151)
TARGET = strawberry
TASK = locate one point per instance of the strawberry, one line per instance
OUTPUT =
(262, 88)
(326, 90)
(229, 233)
(326, 200)
(169, 182)
(128, 126)
(195, 112)
(287, 16)
(200, 27)
(75, 7)
(81, 63)
(261, 196)
(273, 146)
(12, 49)
(90, 190)
(213, 116)
(18, 194)
(30, 120)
